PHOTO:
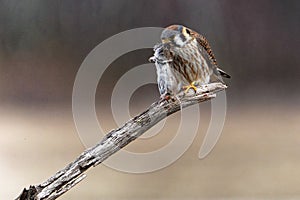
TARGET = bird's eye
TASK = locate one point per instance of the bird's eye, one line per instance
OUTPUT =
(188, 31)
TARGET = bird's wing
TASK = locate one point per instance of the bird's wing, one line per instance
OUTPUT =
(202, 41)
(209, 55)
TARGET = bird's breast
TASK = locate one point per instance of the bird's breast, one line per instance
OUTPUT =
(189, 61)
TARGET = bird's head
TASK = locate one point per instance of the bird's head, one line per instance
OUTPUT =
(176, 35)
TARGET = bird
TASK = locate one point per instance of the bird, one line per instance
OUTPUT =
(184, 60)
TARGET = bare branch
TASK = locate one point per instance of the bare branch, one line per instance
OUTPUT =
(115, 140)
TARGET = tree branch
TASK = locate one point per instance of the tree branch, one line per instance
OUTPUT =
(115, 140)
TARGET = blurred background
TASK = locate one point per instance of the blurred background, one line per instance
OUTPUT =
(43, 43)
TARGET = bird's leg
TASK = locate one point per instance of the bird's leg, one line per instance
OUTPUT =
(191, 86)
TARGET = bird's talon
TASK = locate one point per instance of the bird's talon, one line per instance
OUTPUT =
(191, 86)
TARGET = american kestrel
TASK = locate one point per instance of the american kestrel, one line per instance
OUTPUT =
(184, 60)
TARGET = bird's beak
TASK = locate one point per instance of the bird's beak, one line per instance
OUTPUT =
(165, 40)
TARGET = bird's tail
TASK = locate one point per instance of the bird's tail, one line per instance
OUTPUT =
(223, 73)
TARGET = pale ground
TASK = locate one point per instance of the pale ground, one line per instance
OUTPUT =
(257, 157)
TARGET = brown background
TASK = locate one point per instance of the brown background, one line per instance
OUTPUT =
(43, 43)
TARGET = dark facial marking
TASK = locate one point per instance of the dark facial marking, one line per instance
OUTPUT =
(183, 38)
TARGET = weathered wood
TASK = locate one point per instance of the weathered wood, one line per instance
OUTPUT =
(115, 140)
